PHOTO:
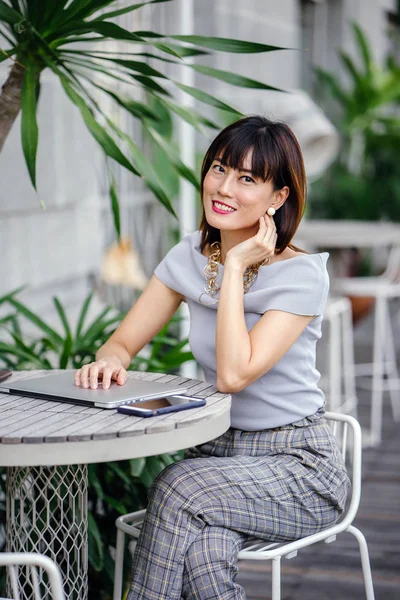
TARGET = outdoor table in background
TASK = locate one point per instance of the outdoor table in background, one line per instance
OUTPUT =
(46, 447)
(342, 234)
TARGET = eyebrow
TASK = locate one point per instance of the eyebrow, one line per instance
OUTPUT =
(243, 170)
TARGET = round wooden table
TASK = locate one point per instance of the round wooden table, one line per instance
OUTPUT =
(46, 447)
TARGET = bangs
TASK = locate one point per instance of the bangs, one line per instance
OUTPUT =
(233, 148)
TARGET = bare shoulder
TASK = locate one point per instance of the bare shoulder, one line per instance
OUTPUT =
(287, 254)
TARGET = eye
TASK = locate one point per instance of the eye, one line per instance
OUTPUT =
(218, 168)
(247, 179)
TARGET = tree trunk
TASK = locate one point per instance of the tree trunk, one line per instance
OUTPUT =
(10, 101)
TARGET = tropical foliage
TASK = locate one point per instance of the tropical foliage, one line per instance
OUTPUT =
(114, 488)
(364, 182)
(70, 38)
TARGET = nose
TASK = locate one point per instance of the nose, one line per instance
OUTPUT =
(226, 187)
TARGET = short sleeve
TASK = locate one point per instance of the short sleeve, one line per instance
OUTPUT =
(176, 269)
(301, 287)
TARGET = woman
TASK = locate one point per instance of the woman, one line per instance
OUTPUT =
(256, 304)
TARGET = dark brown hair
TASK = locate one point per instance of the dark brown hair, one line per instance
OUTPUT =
(276, 157)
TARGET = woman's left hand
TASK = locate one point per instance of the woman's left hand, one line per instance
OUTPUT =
(257, 248)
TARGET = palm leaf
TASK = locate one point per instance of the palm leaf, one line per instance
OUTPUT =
(123, 11)
(150, 176)
(66, 352)
(363, 47)
(191, 116)
(138, 67)
(150, 84)
(63, 316)
(82, 316)
(22, 354)
(28, 314)
(207, 98)
(9, 15)
(233, 78)
(107, 30)
(183, 51)
(358, 81)
(115, 208)
(174, 157)
(333, 84)
(7, 297)
(98, 132)
(226, 44)
(29, 127)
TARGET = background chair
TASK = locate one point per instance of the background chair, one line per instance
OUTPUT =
(383, 369)
(32, 562)
(335, 357)
(130, 524)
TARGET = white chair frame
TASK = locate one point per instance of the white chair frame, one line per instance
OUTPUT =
(383, 369)
(130, 524)
(12, 560)
(338, 379)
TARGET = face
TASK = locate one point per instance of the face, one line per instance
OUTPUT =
(236, 199)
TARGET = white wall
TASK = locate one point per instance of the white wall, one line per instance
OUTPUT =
(49, 249)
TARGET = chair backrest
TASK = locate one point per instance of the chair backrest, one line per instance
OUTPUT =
(33, 562)
(351, 450)
(392, 270)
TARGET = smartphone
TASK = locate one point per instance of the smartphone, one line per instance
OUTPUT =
(161, 406)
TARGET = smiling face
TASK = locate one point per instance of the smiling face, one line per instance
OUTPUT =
(252, 164)
(236, 199)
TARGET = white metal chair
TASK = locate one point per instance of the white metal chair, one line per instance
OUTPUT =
(130, 524)
(335, 357)
(383, 369)
(33, 562)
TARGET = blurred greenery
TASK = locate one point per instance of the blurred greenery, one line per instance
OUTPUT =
(364, 182)
(115, 488)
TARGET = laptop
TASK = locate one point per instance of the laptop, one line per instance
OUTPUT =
(60, 387)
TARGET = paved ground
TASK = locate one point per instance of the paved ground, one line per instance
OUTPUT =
(333, 571)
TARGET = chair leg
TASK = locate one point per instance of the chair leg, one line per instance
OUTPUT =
(349, 374)
(391, 367)
(366, 567)
(378, 371)
(119, 565)
(276, 578)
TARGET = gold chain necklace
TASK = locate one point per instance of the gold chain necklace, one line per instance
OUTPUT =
(211, 286)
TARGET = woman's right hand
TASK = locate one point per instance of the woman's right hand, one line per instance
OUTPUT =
(105, 369)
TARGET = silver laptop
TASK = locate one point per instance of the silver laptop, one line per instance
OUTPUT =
(60, 387)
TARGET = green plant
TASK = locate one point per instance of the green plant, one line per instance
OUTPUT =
(364, 182)
(117, 487)
(67, 37)
(366, 104)
(70, 349)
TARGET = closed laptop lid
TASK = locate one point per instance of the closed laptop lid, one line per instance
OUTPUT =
(61, 387)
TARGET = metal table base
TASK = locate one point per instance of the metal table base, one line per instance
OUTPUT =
(47, 513)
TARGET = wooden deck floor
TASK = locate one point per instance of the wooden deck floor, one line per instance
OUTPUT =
(333, 571)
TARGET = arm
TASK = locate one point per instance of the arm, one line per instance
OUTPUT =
(156, 305)
(242, 356)
(154, 308)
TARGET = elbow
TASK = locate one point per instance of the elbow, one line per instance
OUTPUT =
(229, 384)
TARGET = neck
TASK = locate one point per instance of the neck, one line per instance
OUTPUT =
(230, 239)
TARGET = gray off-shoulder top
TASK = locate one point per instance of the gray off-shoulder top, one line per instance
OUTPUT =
(289, 391)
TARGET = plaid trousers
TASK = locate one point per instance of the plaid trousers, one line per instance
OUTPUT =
(278, 484)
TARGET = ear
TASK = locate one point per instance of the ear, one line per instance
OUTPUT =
(280, 197)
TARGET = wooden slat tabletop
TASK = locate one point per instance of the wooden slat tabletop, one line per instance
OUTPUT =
(29, 421)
